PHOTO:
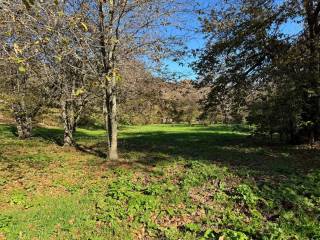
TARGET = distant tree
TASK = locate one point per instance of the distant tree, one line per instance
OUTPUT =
(47, 44)
(146, 99)
(138, 95)
(181, 101)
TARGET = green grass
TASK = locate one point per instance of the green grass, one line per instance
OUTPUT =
(172, 182)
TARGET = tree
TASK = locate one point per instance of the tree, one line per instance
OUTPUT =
(311, 43)
(73, 60)
(81, 47)
(247, 53)
(181, 101)
(131, 29)
(27, 85)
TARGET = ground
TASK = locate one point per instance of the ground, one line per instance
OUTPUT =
(172, 182)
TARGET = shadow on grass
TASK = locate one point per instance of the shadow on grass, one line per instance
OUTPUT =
(225, 145)
(8, 130)
(13, 153)
(278, 171)
(95, 150)
(232, 149)
(54, 135)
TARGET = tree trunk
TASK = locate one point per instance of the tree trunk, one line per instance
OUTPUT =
(68, 138)
(312, 137)
(111, 119)
(292, 133)
(23, 121)
(113, 133)
(68, 123)
(108, 59)
(22, 116)
(24, 127)
(312, 9)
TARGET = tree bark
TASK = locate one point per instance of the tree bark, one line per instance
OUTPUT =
(68, 123)
(24, 127)
(112, 120)
(109, 99)
(23, 117)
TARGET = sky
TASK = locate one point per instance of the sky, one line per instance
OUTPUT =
(197, 41)
(183, 69)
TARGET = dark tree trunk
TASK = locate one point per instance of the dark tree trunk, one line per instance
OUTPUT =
(312, 106)
(312, 137)
(292, 133)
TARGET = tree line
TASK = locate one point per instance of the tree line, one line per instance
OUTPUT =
(93, 58)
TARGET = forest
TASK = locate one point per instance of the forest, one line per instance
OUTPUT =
(160, 119)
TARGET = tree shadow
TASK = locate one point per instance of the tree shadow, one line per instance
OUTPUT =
(225, 145)
(226, 148)
(96, 149)
(54, 135)
(278, 171)
(10, 129)
(229, 146)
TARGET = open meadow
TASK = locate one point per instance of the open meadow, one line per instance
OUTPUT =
(171, 182)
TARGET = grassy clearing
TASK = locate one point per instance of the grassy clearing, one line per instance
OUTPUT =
(173, 182)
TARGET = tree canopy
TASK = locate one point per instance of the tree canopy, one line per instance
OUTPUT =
(250, 61)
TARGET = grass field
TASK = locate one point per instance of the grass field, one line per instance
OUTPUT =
(173, 182)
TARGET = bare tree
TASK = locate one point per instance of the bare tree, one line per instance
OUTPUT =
(130, 29)
(28, 84)
(73, 61)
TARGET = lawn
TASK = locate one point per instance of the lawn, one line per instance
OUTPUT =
(172, 182)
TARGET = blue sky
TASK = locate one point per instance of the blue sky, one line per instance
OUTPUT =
(183, 68)
(291, 28)
(197, 41)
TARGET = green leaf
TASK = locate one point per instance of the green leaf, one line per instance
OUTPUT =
(19, 60)
(84, 26)
(79, 92)
(58, 58)
(22, 69)
(192, 227)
